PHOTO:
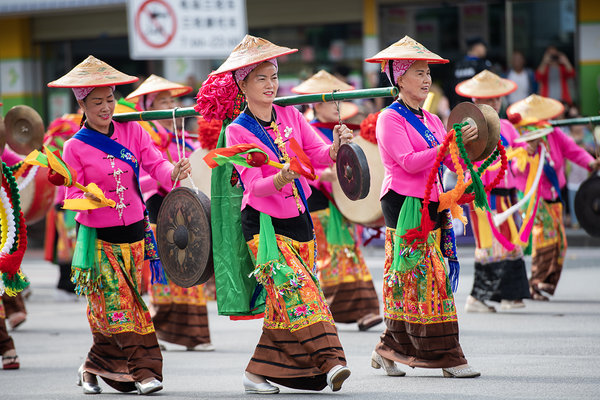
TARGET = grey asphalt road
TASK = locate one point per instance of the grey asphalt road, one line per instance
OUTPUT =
(548, 350)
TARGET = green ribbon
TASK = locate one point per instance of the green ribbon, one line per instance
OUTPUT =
(85, 271)
(406, 258)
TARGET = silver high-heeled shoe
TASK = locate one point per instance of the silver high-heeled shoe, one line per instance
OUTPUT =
(336, 377)
(149, 387)
(378, 362)
(259, 388)
(88, 388)
(467, 372)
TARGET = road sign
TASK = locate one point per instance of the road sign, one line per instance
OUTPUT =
(185, 28)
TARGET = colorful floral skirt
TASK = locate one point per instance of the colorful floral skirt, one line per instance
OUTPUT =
(125, 348)
(299, 343)
(343, 274)
(549, 246)
(419, 310)
(500, 273)
(180, 314)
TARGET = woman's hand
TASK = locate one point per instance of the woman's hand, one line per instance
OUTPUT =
(594, 165)
(532, 146)
(328, 175)
(91, 196)
(181, 170)
(285, 176)
(470, 133)
(341, 135)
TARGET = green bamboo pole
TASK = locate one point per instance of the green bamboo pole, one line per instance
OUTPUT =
(281, 101)
(576, 121)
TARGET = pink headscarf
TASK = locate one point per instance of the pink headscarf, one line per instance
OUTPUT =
(243, 72)
(399, 67)
(82, 92)
(149, 99)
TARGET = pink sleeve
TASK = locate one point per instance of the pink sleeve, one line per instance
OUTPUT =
(151, 158)
(259, 181)
(392, 136)
(571, 150)
(71, 157)
(9, 157)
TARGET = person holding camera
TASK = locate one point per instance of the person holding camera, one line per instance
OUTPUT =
(553, 75)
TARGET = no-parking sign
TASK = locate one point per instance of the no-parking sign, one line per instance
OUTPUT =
(185, 28)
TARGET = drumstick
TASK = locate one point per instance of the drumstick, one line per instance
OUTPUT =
(258, 159)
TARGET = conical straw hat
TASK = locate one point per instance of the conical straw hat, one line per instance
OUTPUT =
(154, 84)
(534, 131)
(92, 72)
(485, 85)
(252, 50)
(407, 49)
(533, 109)
(321, 82)
(347, 111)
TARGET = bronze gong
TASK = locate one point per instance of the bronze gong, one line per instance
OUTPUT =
(353, 171)
(587, 205)
(24, 129)
(184, 237)
(488, 126)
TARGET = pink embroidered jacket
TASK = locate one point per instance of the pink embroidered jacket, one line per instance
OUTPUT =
(406, 157)
(151, 186)
(560, 147)
(259, 189)
(93, 165)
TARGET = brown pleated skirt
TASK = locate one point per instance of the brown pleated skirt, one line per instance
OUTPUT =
(298, 359)
(420, 315)
(299, 342)
(182, 324)
(124, 358)
(349, 302)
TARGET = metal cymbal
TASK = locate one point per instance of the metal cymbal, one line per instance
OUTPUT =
(24, 129)
(488, 126)
(493, 128)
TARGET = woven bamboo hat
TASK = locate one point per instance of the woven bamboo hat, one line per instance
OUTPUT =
(533, 131)
(407, 49)
(321, 82)
(533, 109)
(252, 50)
(155, 84)
(92, 72)
(324, 82)
(485, 85)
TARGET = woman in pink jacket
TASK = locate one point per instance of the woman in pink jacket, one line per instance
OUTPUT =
(419, 309)
(500, 272)
(299, 346)
(112, 243)
(179, 314)
(549, 239)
